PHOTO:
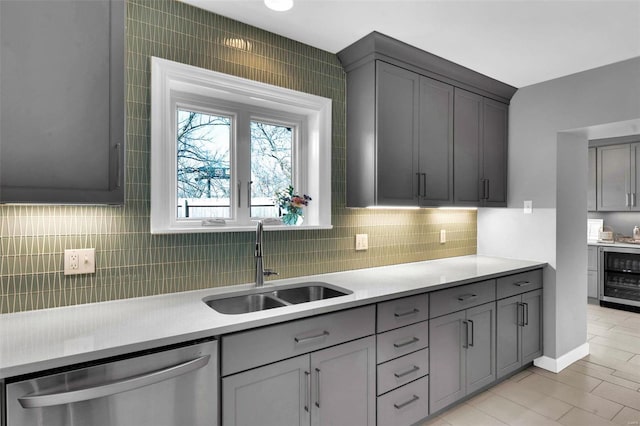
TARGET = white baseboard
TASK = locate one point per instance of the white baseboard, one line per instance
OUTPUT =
(556, 365)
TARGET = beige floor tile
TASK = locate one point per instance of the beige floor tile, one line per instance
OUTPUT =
(633, 321)
(535, 401)
(511, 413)
(588, 402)
(572, 378)
(603, 373)
(599, 329)
(608, 352)
(521, 375)
(622, 342)
(624, 329)
(583, 362)
(578, 417)
(634, 377)
(635, 360)
(627, 417)
(437, 421)
(466, 415)
(624, 396)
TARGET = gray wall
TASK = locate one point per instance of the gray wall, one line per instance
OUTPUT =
(621, 222)
(550, 124)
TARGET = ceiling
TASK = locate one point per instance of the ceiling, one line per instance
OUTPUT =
(519, 42)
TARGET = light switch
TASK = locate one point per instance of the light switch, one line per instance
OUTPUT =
(528, 207)
(362, 242)
(443, 236)
(79, 261)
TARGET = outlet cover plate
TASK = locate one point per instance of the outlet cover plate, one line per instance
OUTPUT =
(79, 261)
(362, 242)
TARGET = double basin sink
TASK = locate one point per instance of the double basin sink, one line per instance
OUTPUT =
(261, 299)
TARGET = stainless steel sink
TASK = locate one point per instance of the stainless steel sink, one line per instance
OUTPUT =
(244, 304)
(258, 301)
(308, 293)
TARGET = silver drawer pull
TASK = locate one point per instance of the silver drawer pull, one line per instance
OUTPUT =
(404, 404)
(322, 335)
(467, 297)
(523, 283)
(406, 373)
(406, 314)
(407, 343)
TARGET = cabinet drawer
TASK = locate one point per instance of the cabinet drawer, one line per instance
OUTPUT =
(519, 283)
(402, 341)
(400, 312)
(252, 348)
(402, 370)
(406, 405)
(454, 299)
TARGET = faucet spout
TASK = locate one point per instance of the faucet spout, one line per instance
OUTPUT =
(260, 271)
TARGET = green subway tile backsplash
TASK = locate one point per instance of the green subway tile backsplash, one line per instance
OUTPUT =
(131, 262)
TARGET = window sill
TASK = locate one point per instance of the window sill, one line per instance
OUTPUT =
(244, 228)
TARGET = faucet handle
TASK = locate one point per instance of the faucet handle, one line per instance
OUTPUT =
(269, 272)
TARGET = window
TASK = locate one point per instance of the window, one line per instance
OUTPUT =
(222, 147)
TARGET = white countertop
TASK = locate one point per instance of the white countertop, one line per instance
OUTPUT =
(615, 244)
(39, 340)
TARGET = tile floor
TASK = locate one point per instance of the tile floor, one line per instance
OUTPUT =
(603, 388)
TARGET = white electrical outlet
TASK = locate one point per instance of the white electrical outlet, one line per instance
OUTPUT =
(362, 242)
(528, 207)
(443, 236)
(79, 261)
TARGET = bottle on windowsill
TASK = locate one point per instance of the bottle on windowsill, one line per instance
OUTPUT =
(636, 234)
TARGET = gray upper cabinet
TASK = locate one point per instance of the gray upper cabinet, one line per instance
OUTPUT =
(592, 181)
(414, 137)
(618, 177)
(480, 143)
(62, 101)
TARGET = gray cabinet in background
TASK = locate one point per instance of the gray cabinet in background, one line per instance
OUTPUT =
(592, 181)
(618, 177)
(62, 101)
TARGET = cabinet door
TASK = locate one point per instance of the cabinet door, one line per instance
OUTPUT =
(447, 360)
(634, 173)
(62, 104)
(613, 173)
(467, 143)
(592, 284)
(273, 395)
(343, 386)
(532, 329)
(481, 346)
(591, 181)
(494, 153)
(436, 142)
(508, 319)
(397, 104)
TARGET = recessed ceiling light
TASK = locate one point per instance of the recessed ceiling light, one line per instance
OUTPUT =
(279, 5)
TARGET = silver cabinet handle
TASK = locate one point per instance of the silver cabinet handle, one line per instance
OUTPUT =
(119, 165)
(472, 334)
(325, 333)
(525, 315)
(488, 192)
(466, 334)
(418, 193)
(239, 193)
(404, 404)
(520, 314)
(522, 283)
(99, 391)
(424, 185)
(467, 297)
(318, 387)
(307, 394)
(407, 343)
(405, 314)
(626, 199)
(406, 373)
(633, 199)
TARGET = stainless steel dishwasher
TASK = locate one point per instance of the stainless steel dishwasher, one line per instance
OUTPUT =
(175, 386)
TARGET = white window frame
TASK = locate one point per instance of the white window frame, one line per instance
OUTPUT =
(178, 85)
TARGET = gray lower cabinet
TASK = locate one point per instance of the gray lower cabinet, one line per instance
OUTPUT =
(333, 386)
(519, 330)
(618, 177)
(592, 272)
(62, 107)
(480, 150)
(462, 354)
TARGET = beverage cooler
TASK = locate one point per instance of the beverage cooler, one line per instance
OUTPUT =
(620, 275)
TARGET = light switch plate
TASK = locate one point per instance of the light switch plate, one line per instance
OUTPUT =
(79, 261)
(362, 242)
(528, 207)
(443, 236)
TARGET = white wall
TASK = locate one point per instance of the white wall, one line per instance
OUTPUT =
(549, 126)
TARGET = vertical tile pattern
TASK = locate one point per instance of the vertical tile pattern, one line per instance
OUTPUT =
(131, 262)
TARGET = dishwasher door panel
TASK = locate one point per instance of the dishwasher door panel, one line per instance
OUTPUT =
(174, 387)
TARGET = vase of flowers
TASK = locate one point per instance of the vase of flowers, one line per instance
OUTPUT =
(290, 206)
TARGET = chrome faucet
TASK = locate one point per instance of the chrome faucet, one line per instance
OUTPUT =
(260, 271)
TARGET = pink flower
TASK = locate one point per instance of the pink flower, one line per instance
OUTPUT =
(298, 202)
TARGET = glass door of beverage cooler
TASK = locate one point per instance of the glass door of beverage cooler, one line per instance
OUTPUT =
(620, 277)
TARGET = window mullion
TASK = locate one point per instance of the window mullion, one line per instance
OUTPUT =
(243, 167)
